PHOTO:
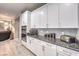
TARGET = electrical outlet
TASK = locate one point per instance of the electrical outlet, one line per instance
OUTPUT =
(62, 33)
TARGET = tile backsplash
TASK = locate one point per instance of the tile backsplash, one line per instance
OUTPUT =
(58, 31)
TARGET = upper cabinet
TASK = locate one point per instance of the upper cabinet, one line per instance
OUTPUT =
(43, 16)
(52, 15)
(35, 19)
(32, 19)
(64, 15)
(68, 15)
(39, 17)
(25, 18)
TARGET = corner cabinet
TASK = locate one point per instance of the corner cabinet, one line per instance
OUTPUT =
(68, 15)
(35, 19)
(39, 17)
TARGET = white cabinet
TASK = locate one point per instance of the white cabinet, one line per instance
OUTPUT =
(61, 51)
(32, 20)
(74, 53)
(53, 16)
(28, 43)
(35, 19)
(39, 17)
(34, 45)
(68, 15)
(43, 16)
(49, 50)
(64, 15)
(40, 48)
(24, 19)
(37, 47)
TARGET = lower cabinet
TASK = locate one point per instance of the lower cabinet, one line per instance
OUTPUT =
(74, 53)
(28, 43)
(61, 51)
(36, 47)
(49, 50)
(41, 48)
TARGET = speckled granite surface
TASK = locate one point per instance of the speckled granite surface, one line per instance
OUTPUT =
(74, 46)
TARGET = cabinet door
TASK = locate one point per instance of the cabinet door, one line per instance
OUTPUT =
(22, 21)
(68, 15)
(52, 15)
(50, 50)
(36, 47)
(24, 18)
(63, 51)
(74, 53)
(43, 16)
(28, 42)
(32, 19)
(62, 54)
(35, 19)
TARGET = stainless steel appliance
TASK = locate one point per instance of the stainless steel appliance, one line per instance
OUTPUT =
(68, 38)
(23, 33)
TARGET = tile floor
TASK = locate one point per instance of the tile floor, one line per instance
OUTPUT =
(13, 48)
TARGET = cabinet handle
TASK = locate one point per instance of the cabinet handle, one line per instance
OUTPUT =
(30, 42)
(65, 51)
(57, 53)
(49, 45)
(43, 48)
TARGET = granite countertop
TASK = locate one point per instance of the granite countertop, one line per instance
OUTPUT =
(72, 46)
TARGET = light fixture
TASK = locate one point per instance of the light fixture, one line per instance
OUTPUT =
(6, 24)
(1, 21)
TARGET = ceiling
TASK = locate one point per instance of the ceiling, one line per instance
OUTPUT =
(13, 10)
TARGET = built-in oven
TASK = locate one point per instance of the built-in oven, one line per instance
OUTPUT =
(23, 33)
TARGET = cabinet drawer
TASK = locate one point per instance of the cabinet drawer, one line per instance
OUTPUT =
(67, 51)
(63, 50)
(74, 53)
(62, 54)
